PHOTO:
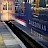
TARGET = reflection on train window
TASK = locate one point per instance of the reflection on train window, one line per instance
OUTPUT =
(5, 7)
(9, 7)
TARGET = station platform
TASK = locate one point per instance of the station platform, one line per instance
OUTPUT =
(8, 39)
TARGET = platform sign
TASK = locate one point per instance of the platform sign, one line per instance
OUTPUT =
(39, 22)
(40, 26)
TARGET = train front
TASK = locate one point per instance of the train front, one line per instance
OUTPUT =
(7, 10)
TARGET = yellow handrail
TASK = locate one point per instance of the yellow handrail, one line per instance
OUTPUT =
(36, 8)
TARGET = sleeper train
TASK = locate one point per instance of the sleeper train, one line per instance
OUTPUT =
(32, 17)
(7, 10)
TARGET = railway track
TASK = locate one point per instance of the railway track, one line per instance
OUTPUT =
(29, 42)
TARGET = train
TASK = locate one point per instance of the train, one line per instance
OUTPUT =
(7, 10)
(32, 17)
(33, 13)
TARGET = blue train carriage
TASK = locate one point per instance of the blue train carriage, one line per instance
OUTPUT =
(37, 12)
(33, 20)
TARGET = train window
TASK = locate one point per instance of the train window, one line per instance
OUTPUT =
(22, 9)
(5, 7)
(46, 3)
(30, 1)
(16, 9)
(16, 0)
(21, 1)
(9, 7)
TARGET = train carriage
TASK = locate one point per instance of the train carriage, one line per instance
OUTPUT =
(33, 19)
